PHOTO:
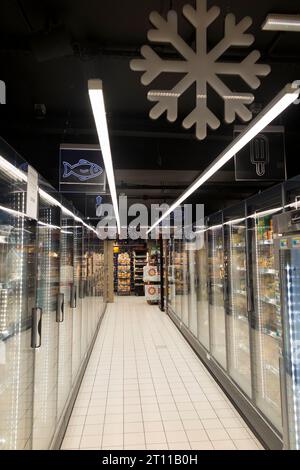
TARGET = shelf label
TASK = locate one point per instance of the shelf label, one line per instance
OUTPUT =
(296, 243)
(32, 193)
(284, 244)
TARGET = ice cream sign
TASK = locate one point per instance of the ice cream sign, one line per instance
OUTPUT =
(81, 169)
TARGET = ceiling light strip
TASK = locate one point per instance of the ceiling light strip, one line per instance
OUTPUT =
(98, 106)
(275, 22)
(12, 170)
(283, 100)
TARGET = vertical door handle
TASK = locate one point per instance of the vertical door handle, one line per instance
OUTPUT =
(73, 296)
(249, 300)
(60, 311)
(81, 289)
(36, 330)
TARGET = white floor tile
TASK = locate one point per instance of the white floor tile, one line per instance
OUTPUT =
(92, 429)
(179, 445)
(204, 445)
(113, 428)
(134, 438)
(223, 445)
(91, 441)
(157, 446)
(155, 437)
(176, 436)
(74, 431)
(71, 443)
(245, 444)
(152, 426)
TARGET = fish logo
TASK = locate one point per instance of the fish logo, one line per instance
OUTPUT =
(83, 170)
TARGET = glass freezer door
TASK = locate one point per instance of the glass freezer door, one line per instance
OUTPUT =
(217, 309)
(171, 276)
(202, 294)
(46, 357)
(238, 324)
(290, 294)
(267, 322)
(193, 320)
(17, 299)
(66, 326)
(77, 311)
(178, 277)
(186, 287)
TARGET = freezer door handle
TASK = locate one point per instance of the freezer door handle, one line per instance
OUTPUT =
(60, 311)
(73, 296)
(81, 289)
(36, 330)
(249, 300)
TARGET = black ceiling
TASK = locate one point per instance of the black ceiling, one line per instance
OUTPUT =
(50, 48)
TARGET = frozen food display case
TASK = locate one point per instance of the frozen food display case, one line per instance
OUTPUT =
(192, 279)
(185, 285)
(266, 315)
(216, 262)
(18, 258)
(179, 278)
(202, 291)
(236, 301)
(239, 312)
(287, 245)
(171, 274)
(42, 332)
(46, 357)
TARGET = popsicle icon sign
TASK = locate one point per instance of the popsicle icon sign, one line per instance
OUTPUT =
(260, 154)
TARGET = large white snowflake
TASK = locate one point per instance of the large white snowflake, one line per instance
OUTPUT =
(200, 66)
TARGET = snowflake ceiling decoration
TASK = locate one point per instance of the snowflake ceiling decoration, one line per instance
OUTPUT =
(200, 66)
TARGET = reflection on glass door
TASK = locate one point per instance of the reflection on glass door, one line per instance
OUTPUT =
(66, 326)
(238, 324)
(46, 357)
(202, 294)
(217, 310)
(193, 320)
(17, 299)
(267, 322)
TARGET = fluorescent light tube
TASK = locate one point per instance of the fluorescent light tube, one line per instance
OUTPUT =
(12, 170)
(281, 23)
(98, 107)
(283, 100)
(47, 197)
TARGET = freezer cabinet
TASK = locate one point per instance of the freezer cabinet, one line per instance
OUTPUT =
(287, 229)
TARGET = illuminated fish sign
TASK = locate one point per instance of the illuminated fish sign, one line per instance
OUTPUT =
(83, 170)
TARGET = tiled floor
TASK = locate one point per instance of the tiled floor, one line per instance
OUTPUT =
(145, 388)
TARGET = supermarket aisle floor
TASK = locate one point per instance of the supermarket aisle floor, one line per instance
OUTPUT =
(145, 388)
